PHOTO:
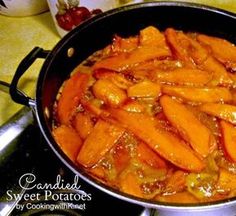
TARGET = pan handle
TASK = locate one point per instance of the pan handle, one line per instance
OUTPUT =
(16, 95)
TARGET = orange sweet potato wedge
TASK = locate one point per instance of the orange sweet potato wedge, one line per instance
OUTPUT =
(226, 181)
(120, 44)
(121, 156)
(199, 94)
(162, 142)
(69, 140)
(133, 106)
(229, 139)
(148, 156)
(116, 78)
(123, 61)
(176, 182)
(101, 139)
(220, 74)
(72, 93)
(222, 111)
(222, 49)
(184, 76)
(145, 88)
(83, 124)
(185, 48)
(151, 36)
(190, 128)
(108, 92)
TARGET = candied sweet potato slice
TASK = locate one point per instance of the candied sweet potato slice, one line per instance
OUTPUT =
(176, 182)
(133, 106)
(190, 128)
(229, 139)
(226, 181)
(151, 36)
(116, 78)
(129, 183)
(223, 111)
(162, 142)
(145, 88)
(120, 44)
(185, 48)
(101, 139)
(69, 140)
(199, 94)
(83, 124)
(222, 49)
(71, 94)
(123, 61)
(112, 95)
(220, 74)
(148, 156)
(183, 76)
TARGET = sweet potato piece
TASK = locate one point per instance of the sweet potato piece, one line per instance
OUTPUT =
(151, 36)
(222, 49)
(190, 128)
(124, 44)
(108, 92)
(220, 74)
(121, 156)
(227, 181)
(176, 182)
(133, 106)
(229, 139)
(145, 88)
(223, 111)
(129, 184)
(83, 124)
(148, 156)
(91, 106)
(184, 76)
(69, 140)
(162, 142)
(185, 48)
(116, 78)
(101, 139)
(199, 94)
(72, 93)
(123, 61)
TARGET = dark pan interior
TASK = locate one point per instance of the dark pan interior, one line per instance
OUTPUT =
(125, 21)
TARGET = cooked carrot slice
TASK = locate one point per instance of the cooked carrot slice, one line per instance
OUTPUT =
(220, 74)
(183, 76)
(229, 139)
(190, 128)
(148, 156)
(223, 111)
(129, 183)
(227, 181)
(83, 124)
(108, 92)
(69, 140)
(222, 49)
(162, 142)
(145, 88)
(123, 61)
(199, 94)
(72, 93)
(101, 139)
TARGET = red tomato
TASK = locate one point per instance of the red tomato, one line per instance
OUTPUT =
(65, 21)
